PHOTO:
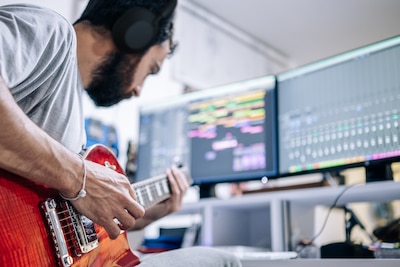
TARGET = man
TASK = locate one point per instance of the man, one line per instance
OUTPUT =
(45, 64)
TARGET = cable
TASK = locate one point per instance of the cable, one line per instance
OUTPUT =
(326, 218)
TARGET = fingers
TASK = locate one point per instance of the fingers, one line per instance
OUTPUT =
(128, 217)
(179, 183)
(121, 220)
(113, 230)
(124, 218)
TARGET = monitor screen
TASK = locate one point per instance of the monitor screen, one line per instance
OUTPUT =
(162, 138)
(232, 132)
(342, 111)
(221, 134)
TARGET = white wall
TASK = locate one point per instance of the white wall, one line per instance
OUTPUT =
(212, 52)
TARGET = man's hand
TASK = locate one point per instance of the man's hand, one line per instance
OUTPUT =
(109, 196)
(179, 184)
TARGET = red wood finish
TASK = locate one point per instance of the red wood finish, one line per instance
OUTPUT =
(24, 234)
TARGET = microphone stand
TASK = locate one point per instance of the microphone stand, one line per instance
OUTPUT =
(353, 221)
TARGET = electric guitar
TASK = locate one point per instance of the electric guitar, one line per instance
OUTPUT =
(39, 228)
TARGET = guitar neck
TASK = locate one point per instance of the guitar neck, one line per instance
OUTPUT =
(152, 191)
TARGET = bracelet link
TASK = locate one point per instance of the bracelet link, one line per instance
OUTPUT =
(82, 192)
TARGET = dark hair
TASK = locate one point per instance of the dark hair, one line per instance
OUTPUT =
(104, 13)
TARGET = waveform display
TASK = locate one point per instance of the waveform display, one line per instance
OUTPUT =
(241, 111)
(228, 133)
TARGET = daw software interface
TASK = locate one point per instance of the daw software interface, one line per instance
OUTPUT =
(341, 111)
(232, 132)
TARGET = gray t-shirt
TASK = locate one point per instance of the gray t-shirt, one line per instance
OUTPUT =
(38, 63)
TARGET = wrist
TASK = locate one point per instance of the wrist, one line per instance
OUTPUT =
(82, 192)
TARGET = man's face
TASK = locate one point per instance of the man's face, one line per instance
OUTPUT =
(122, 76)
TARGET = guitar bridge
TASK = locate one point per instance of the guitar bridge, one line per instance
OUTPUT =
(73, 234)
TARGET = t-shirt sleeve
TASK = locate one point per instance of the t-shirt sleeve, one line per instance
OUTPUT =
(32, 42)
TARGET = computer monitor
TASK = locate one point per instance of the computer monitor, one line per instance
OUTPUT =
(232, 132)
(222, 134)
(341, 112)
(162, 139)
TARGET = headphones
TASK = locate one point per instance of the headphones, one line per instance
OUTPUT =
(137, 28)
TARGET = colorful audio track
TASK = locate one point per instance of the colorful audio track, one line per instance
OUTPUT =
(225, 122)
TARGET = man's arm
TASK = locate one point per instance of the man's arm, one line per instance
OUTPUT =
(31, 153)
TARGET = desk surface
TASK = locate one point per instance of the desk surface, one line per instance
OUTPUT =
(323, 262)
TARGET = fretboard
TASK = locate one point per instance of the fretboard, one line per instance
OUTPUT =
(152, 191)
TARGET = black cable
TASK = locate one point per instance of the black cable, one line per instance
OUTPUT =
(326, 218)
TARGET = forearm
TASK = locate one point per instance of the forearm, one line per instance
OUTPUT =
(29, 152)
(152, 214)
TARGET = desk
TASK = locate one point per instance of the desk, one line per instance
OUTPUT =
(323, 263)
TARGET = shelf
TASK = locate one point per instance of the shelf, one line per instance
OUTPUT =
(261, 219)
(370, 192)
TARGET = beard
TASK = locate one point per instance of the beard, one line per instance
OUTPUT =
(111, 78)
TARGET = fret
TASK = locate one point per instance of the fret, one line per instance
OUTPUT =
(157, 197)
(158, 188)
(145, 198)
(149, 191)
(165, 186)
(150, 196)
(139, 197)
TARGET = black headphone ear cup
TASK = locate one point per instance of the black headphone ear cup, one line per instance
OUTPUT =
(135, 30)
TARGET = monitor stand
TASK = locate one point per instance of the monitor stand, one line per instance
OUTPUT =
(207, 190)
(378, 172)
